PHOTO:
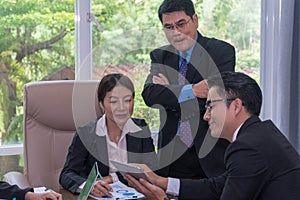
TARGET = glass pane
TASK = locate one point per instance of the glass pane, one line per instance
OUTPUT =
(36, 43)
(11, 163)
(132, 29)
(237, 22)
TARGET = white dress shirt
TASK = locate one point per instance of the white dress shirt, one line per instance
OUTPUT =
(117, 152)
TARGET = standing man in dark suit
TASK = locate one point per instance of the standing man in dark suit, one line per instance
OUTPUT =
(193, 58)
(260, 161)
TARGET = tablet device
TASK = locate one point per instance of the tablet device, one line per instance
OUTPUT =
(134, 171)
(89, 183)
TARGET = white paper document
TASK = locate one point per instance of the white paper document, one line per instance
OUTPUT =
(122, 191)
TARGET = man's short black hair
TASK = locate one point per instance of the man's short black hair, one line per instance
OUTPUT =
(168, 6)
(239, 85)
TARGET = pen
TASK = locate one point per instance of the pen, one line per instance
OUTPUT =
(48, 190)
(102, 179)
(100, 176)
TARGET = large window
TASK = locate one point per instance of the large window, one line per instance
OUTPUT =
(132, 29)
(37, 42)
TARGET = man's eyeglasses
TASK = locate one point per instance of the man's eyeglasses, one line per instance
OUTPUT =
(179, 25)
(208, 107)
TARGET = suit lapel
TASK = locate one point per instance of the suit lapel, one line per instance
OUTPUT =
(134, 148)
(96, 145)
(201, 64)
(102, 153)
(171, 63)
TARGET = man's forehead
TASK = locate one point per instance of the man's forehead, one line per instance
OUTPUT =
(173, 17)
(212, 91)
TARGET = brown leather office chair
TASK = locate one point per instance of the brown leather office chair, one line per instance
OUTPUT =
(52, 111)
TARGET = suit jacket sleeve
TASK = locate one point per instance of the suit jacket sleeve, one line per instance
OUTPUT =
(202, 189)
(8, 191)
(157, 94)
(247, 170)
(246, 174)
(73, 173)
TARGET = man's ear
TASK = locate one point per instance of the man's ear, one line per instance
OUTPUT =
(238, 105)
(195, 19)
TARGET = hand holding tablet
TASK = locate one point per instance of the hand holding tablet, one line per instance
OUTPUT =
(132, 170)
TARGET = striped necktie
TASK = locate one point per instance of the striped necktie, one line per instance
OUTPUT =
(185, 132)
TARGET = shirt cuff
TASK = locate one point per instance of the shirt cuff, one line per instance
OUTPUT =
(173, 186)
(41, 190)
(186, 93)
(79, 189)
(114, 177)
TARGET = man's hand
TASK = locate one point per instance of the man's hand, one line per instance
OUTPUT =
(160, 181)
(160, 79)
(152, 192)
(200, 89)
(43, 196)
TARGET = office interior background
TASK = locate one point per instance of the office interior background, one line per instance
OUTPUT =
(83, 40)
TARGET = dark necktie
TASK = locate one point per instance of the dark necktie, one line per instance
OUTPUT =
(182, 70)
(185, 132)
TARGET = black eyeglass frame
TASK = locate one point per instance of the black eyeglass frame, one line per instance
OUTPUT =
(207, 104)
(179, 25)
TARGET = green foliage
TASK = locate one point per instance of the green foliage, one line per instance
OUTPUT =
(131, 30)
(15, 130)
(4, 104)
(36, 38)
(141, 110)
(248, 63)
(221, 13)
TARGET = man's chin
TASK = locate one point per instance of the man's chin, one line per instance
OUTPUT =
(181, 46)
(215, 134)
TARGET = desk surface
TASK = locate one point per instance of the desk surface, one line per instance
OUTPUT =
(66, 195)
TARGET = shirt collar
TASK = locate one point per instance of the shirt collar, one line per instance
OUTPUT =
(236, 133)
(188, 52)
(129, 127)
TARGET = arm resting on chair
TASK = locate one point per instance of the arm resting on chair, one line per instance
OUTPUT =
(16, 178)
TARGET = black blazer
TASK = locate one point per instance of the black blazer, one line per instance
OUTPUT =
(81, 158)
(12, 191)
(260, 164)
(210, 56)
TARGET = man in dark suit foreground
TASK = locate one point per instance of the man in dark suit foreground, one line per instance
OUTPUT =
(181, 102)
(14, 192)
(260, 161)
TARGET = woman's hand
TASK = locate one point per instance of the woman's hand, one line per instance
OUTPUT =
(101, 189)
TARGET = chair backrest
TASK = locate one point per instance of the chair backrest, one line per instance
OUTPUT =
(52, 111)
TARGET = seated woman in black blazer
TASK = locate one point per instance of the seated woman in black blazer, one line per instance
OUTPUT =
(115, 136)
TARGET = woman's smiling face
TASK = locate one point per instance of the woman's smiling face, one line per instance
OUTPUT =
(118, 105)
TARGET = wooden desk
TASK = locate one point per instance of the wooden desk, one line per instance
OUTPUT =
(66, 195)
